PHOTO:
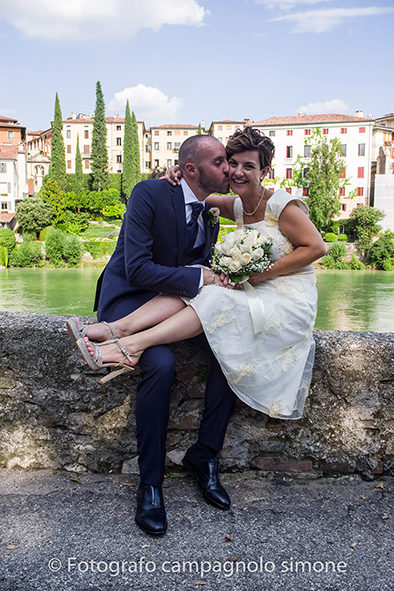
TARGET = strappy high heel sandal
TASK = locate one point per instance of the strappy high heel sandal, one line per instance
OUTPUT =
(79, 331)
(96, 362)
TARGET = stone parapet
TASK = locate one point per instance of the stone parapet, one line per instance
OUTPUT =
(54, 414)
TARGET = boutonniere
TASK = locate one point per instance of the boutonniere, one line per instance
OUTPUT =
(213, 216)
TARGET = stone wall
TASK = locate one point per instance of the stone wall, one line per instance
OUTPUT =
(54, 414)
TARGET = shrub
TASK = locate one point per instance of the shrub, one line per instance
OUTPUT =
(382, 250)
(27, 254)
(328, 262)
(44, 233)
(99, 249)
(342, 237)
(330, 237)
(3, 256)
(355, 264)
(7, 239)
(75, 223)
(337, 251)
(54, 245)
(388, 264)
(72, 249)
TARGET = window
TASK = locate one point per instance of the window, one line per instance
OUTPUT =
(305, 192)
(342, 192)
(343, 129)
(360, 172)
(185, 133)
(118, 128)
(169, 146)
(156, 146)
(360, 191)
(289, 173)
(10, 135)
(271, 133)
(118, 141)
(289, 151)
(307, 151)
(343, 206)
(4, 205)
(157, 132)
(289, 132)
(343, 148)
(69, 149)
(86, 134)
(271, 174)
(176, 162)
(68, 163)
(119, 158)
(361, 130)
(147, 148)
(68, 133)
(169, 132)
(220, 127)
(169, 162)
(361, 149)
(3, 167)
(87, 164)
(305, 172)
(288, 190)
(307, 132)
(177, 133)
(147, 164)
(86, 149)
(156, 163)
(325, 131)
(343, 173)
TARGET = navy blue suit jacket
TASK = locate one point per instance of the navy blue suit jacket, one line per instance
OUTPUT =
(150, 249)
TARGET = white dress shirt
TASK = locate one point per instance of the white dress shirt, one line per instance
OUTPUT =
(189, 198)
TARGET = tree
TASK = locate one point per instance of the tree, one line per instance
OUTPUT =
(78, 177)
(100, 178)
(33, 215)
(53, 196)
(321, 176)
(382, 251)
(57, 167)
(127, 174)
(199, 131)
(136, 168)
(363, 225)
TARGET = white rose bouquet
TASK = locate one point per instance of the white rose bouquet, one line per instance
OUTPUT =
(241, 253)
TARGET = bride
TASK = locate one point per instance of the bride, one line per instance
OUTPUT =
(268, 364)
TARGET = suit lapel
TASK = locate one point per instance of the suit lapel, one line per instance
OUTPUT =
(178, 202)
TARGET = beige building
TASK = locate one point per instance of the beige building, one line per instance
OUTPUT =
(13, 172)
(223, 129)
(165, 141)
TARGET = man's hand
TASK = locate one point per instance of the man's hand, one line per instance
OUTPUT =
(212, 278)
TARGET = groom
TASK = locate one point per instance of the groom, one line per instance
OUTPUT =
(165, 229)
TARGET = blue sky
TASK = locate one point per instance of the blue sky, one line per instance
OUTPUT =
(184, 61)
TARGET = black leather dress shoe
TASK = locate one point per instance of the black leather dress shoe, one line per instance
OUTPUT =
(151, 514)
(207, 472)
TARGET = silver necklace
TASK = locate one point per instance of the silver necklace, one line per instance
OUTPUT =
(257, 206)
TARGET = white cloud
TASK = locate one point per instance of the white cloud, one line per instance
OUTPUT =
(333, 106)
(148, 103)
(320, 21)
(287, 4)
(83, 20)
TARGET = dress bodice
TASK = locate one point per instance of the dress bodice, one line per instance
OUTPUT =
(269, 227)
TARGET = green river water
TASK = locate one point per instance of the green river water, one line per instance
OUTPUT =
(348, 300)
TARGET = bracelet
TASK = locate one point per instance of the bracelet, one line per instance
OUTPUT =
(213, 278)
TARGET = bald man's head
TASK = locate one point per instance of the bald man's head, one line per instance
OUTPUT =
(192, 150)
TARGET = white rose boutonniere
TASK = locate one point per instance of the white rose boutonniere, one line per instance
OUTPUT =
(213, 216)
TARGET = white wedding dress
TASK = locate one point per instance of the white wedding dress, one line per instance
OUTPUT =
(269, 370)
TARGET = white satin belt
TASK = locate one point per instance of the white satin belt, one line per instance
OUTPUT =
(256, 307)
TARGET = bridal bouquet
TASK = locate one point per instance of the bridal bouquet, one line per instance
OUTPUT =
(242, 252)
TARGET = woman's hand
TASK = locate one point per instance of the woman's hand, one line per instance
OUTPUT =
(172, 176)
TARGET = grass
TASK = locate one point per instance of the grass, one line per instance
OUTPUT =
(100, 231)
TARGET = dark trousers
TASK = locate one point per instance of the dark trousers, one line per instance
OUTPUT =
(157, 367)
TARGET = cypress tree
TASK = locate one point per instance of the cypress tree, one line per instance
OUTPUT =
(57, 167)
(136, 167)
(99, 144)
(199, 131)
(78, 177)
(127, 174)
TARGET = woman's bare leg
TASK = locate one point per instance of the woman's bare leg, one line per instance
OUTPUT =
(150, 314)
(178, 327)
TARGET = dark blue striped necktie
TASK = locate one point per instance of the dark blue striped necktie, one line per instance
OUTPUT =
(192, 225)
